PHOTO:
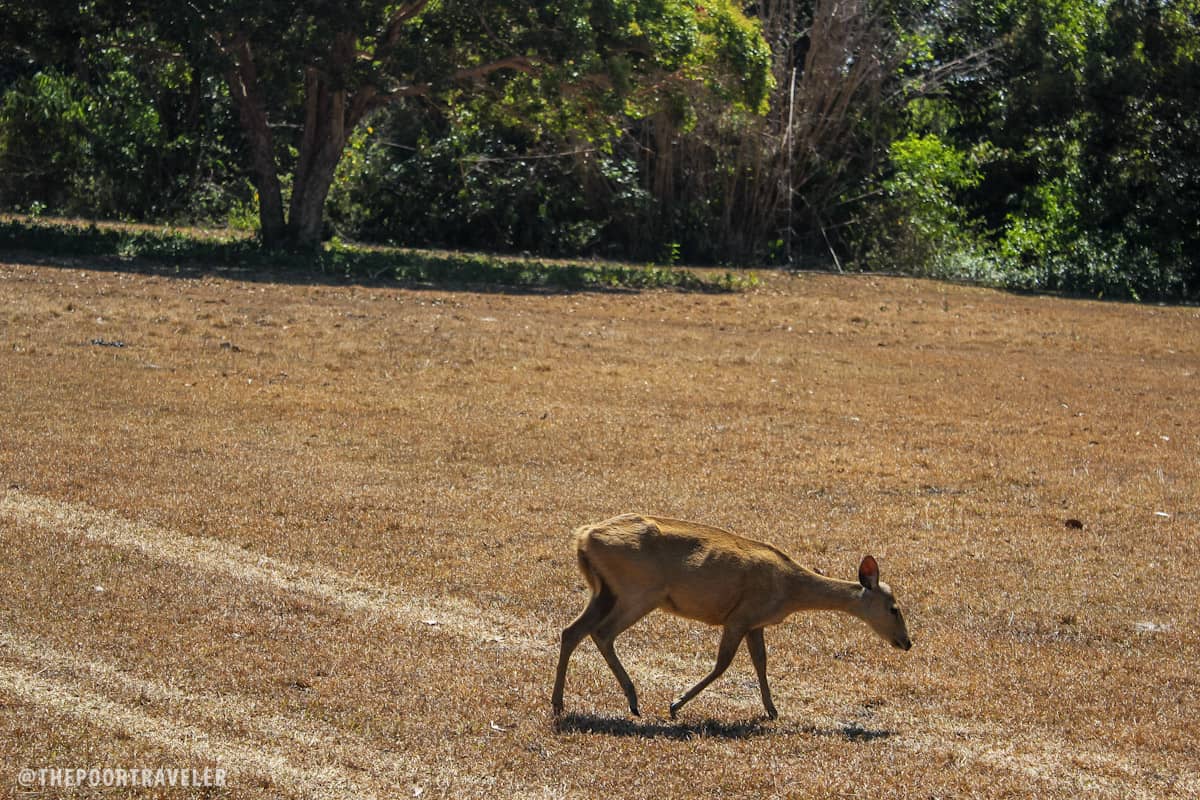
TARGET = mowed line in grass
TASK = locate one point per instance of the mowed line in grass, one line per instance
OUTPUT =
(313, 761)
(242, 760)
(1039, 756)
(214, 555)
(294, 751)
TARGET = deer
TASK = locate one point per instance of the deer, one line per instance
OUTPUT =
(634, 564)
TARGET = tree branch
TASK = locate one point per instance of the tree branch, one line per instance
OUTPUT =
(399, 18)
(519, 63)
(380, 98)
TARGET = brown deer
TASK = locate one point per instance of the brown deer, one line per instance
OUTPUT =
(635, 564)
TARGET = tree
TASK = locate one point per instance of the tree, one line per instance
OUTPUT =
(303, 76)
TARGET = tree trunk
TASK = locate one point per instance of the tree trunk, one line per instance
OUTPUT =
(321, 146)
(330, 115)
(331, 112)
(270, 196)
(243, 86)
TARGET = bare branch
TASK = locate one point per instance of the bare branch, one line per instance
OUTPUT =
(939, 75)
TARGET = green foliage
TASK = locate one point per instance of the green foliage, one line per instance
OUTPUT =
(920, 226)
(1086, 118)
(303, 76)
(115, 137)
(1034, 242)
(1140, 170)
(727, 52)
(479, 177)
(44, 158)
(537, 168)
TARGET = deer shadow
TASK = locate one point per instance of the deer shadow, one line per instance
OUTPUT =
(850, 731)
(661, 729)
(709, 728)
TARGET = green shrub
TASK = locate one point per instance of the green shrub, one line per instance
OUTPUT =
(921, 227)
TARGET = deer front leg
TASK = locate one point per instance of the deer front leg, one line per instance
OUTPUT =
(730, 640)
(758, 654)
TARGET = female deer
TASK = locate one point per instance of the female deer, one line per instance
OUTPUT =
(635, 564)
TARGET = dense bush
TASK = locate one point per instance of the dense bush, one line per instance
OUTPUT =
(116, 138)
(467, 179)
(1068, 160)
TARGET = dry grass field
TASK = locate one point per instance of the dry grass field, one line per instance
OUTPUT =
(318, 535)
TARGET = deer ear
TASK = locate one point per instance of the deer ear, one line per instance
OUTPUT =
(868, 573)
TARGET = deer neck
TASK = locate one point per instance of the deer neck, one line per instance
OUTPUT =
(816, 592)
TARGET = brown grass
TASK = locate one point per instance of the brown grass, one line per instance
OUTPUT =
(318, 535)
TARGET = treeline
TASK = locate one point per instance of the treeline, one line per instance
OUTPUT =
(1040, 144)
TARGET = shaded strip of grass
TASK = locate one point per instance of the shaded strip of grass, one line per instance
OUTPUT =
(352, 263)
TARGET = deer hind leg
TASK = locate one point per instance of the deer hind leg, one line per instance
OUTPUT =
(597, 609)
(623, 615)
(730, 639)
(758, 654)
